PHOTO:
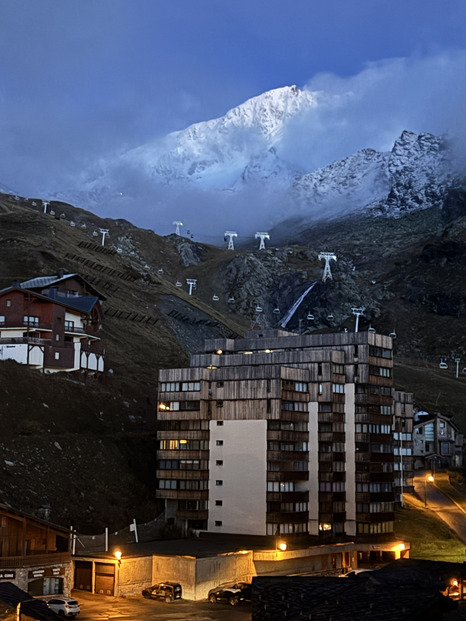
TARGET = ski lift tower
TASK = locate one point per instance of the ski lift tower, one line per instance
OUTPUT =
(192, 284)
(178, 224)
(262, 237)
(231, 235)
(104, 233)
(45, 205)
(357, 311)
(327, 257)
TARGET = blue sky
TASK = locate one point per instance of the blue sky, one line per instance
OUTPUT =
(81, 79)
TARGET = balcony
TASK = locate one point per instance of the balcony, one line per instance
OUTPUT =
(20, 324)
(11, 562)
(23, 340)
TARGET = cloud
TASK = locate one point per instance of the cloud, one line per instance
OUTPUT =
(372, 108)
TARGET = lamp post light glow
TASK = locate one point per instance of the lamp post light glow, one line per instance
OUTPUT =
(117, 555)
(429, 479)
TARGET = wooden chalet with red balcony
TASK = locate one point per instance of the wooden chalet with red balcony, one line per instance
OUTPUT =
(52, 323)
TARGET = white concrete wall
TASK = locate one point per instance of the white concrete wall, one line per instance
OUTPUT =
(19, 353)
(243, 475)
(350, 524)
(313, 468)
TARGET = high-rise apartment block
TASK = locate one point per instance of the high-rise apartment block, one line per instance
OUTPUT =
(279, 433)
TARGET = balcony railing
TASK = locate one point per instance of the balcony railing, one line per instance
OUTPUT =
(21, 324)
(10, 562)
(23, 340)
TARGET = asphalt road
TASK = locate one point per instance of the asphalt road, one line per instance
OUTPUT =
(104, 608)
(444, 507)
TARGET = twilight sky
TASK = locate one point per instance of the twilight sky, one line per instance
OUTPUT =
(81, 80)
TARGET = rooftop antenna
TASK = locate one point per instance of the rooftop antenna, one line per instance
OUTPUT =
(357, 311)
(45, 204)
(178, 224)
(192, 284)
(327, 257)
(104, 233)
(262, 237)
(231, 235)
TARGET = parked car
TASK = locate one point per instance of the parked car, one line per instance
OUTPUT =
(166, 591)
(64, 606)
(231, 593)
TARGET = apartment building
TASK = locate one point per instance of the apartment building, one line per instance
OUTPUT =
(281, 434)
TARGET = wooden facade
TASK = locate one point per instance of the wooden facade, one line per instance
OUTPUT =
(34, 554)
(52, 324)
(326, 445)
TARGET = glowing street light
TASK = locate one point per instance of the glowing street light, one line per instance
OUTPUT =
(429, 479)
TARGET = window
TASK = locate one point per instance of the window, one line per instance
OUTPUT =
(57, 355)
(69, 325)
(338, 388)
(190, 386)
(218, 482)
(219, 404)
(189, 464)
(219, 443)
(168, 484)
(339, 369)
(220, 423)
(219, 462)
(31, 320)
(170, 387)
(386, 409)
(8, 303)
(218, 522)
(2, 319)
(219, 503)
(380, 352)
(280, 486)
(188, 484)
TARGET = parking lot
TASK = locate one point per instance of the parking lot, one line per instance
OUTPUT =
(101, 608)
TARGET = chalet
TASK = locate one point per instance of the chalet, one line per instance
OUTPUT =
(35, 555)
(437, 442)
(52, 323)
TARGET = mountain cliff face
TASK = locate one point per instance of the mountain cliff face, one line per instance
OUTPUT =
(247, 155)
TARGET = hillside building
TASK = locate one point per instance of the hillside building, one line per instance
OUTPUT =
(52, 323)
(283, 434)
(35, 555)
(437, 442)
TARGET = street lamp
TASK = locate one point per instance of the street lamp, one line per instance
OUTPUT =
(429, 478)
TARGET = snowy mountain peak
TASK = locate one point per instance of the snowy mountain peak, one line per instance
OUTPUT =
(216, 152)
(249, 162)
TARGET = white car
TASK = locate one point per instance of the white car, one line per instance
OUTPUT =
(64, 606)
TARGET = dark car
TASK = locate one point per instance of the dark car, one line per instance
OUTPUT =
(233, 594)
(166, 591)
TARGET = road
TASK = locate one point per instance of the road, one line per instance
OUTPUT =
(104, 608)
(444, 507)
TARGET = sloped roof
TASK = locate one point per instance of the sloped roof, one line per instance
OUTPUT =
(39, 282)
(35, 608)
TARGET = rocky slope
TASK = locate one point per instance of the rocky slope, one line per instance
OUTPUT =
(86, 446)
